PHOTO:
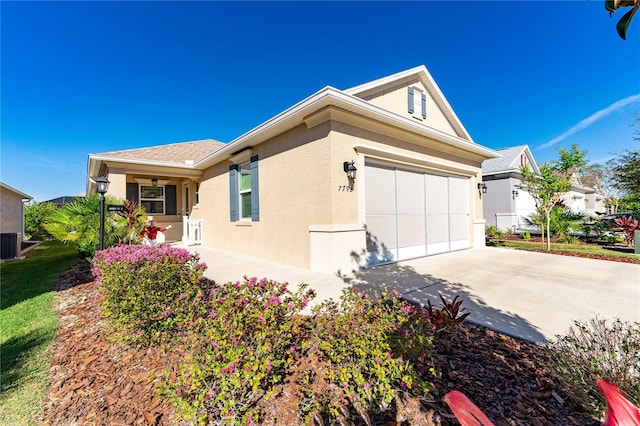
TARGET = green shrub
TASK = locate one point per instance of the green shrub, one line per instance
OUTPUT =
(143, 290)
(525, 235)
(253, 343)
(613, 239)
(492, 231)
(375, 345)
(238, 351)
(594, 350)
(569, 239)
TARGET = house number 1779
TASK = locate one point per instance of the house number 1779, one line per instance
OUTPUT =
(345, 188)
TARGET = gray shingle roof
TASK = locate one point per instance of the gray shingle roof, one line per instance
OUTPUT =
(507, 162)
(172, 153)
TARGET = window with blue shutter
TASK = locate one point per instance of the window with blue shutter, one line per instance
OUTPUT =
(255, 198)
(410, 104)
(233, 193)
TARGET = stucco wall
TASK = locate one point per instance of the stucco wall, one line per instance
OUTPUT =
(297, 177)
(11, 213)
(395, 99)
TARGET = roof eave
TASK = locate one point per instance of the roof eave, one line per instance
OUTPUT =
(330, 96)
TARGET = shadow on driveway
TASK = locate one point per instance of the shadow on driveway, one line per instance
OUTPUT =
(419, 287)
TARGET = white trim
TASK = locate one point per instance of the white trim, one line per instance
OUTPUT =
(15, 191)
(429, 83)
(336, 228)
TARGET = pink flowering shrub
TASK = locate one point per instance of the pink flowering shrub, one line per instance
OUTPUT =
(144, 291)
(239, 350)
(375, 345)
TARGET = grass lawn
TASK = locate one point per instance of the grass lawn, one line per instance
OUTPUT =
(582, 248)
(28, 323)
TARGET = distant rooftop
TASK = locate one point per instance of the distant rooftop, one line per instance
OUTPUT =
(505, 163)
(66, 199)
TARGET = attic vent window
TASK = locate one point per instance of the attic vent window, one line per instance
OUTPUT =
(417, 103)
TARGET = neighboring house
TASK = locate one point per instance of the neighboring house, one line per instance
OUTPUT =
(11, 221)
(62, 200)
(508, 205)
(583, 198)
(377, 173)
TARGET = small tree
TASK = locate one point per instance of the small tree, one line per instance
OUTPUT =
(553, 181)
(35, 215)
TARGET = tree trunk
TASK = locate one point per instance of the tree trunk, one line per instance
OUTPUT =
(548, 232)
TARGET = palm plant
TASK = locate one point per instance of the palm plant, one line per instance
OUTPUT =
(79, 223)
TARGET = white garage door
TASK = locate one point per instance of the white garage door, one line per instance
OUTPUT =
(411, 214)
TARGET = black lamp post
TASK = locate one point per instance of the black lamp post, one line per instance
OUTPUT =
(103, 185)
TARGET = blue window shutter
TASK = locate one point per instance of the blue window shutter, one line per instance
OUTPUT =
(424, 105)
(255, 194)
(411, 100)
(171, 200)
(132, 192)
(233, 192)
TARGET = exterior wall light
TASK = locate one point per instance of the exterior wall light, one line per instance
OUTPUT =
(350, 169)
(515, 193)
(154, 181)
(482, 188)
(103, 186)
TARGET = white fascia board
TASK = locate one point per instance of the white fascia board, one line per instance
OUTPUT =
(139, 161)
(286, 120)
(369, 110)
(384, 80)
(427, 80)
(15, 191)
(295, 115)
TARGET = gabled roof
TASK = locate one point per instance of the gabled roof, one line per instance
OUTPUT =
(179, 153)
(21, 194)
(199, 155)
(509, 161)
(422, 74)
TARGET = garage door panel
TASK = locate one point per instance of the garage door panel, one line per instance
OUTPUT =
(437, 195)
(459, 227)
(380, 191)
(458, 199)
(381, 233)
(411, 194)
(411, 214)
(411, 230)
(437, 229)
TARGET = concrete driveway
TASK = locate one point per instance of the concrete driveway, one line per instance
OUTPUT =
(533, 296)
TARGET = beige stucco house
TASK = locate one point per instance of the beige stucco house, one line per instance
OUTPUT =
(283, 190)
(11, 220)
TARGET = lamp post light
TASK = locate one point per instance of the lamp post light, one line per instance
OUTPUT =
(103, 185)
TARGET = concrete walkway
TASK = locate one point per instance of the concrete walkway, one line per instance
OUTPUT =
(533, 296)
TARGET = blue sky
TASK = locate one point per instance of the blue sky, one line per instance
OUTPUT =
(88, 77)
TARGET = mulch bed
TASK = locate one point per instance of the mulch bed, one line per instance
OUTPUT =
(535, 245)
(93, 381)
